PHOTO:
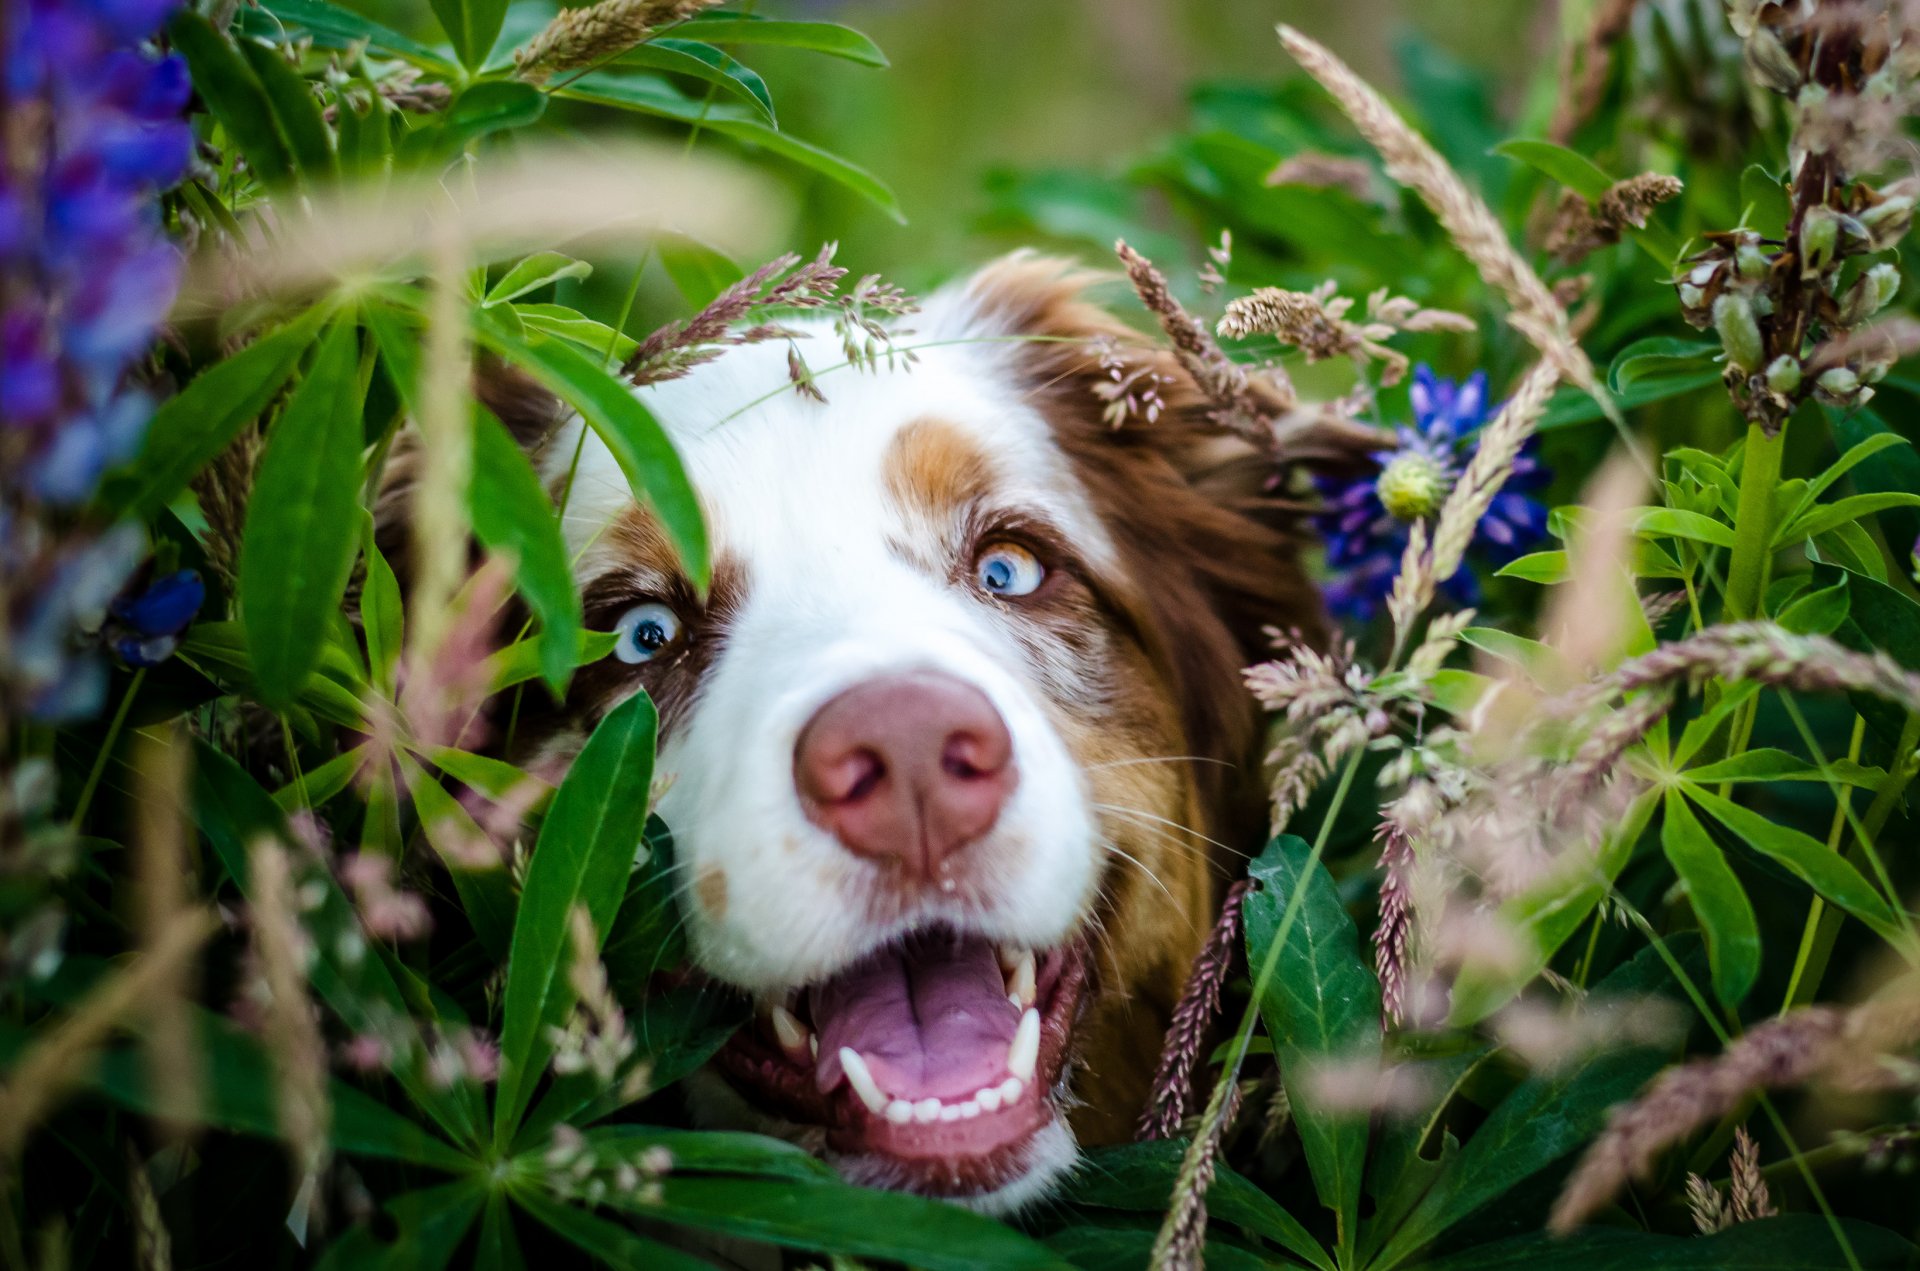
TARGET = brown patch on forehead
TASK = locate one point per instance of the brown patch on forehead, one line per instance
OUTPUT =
(636, 539)
(934, 468)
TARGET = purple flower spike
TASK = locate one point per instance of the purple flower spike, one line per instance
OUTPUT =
(1364, 520)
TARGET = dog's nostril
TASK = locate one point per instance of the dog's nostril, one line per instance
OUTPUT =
(872, 772)
(969, 757)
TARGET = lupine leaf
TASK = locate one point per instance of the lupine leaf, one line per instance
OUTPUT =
(294, 110)
(819, 37)
(512, 514)
(303, 524)
(583, 856)
(1806, 857)
(1322, 1005)
(426, 1227)
(471, 26)
(533, 272)
(707, 63)
(234, 95)
(1733, 935)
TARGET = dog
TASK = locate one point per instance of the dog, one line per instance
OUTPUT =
(957, 728)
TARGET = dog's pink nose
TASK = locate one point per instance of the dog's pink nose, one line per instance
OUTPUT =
(906, 770)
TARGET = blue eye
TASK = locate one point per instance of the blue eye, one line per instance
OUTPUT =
(643, 631)
(1008, 569)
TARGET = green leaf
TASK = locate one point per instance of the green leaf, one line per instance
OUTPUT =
(239, 1091)
(234, 96)
(1541, 1120)
(609, 1243)
(1733, 936)
(295, 112)
(1542, 662)
(628, 429)
(303, 523)
(1537, 567)
(1139, 1177)
(1769, 764)
(1575, 171)
(1675, 523)
(348, 973)
(710, 1151)
(1659, 355)
(513, 515)
(1790, 1242)
(656, 97)
(819, 37)
(1805, 857)
(486, 890)
(195, 425)
(1591, 182)
(490, 106)
(852, 1220)
(707, 63)
(1854, 507)
(522, 660)
(317, 785)
(1322, 1005)
(336, 28)
(425, 1229)
(533, 272)
(381, 617)
(596, 337)
(1571, 406)
(220, 649)
(1764, 202)
(471, 26)
(1818, 612)
(583, 856)
(1890, 468)
(494, 778)
(699, 271)
(498, 1248)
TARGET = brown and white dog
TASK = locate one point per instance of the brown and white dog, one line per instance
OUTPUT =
(953, 731)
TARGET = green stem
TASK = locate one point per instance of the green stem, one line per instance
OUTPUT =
(106, 751)
(1817, 909)
(1901, 770)
(1753, 523)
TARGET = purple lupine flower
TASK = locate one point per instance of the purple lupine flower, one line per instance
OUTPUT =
(95, 129)
(145, 625)
(1364, 520)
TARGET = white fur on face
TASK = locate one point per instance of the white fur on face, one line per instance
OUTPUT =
(836, 590)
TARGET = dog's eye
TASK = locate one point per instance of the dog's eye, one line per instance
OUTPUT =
(1008, 569)
(643, 631)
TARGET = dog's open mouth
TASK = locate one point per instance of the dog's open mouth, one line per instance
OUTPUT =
(934, 1062)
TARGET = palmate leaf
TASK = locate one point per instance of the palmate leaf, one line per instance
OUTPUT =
(707, 63)
(1139, 1177)
(829, 38)
(534, 272)
(486, 891)
(295, 111)
(1581, 174)
(235, 96)
(303, 524)
(471, 26)
(1322, 1005)
(1543, 1119)
(1804, 856)
(699, 271)
(498, 1248)
(609, 1243)
(1725, 913)
(1790, 1242)
(426, 1228)
(334, 27)
(512, 515)
(583, 856)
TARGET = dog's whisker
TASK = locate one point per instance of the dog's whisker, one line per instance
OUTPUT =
(1127, 763)
(1184, 829)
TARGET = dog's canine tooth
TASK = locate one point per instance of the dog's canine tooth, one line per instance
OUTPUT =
(1025, 1051)
(1010, 957)
(1010, 1091)
(1021, 979)
(988, 1098)
(899, 1112)
(794, 1037)
(860, 1077)
(927, 1111)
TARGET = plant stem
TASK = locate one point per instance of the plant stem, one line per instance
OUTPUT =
(1816, 910)
(106, 751)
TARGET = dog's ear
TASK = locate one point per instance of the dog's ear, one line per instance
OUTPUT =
(1205, 527)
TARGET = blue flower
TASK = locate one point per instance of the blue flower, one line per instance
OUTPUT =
(1364, 520)
(146, 627)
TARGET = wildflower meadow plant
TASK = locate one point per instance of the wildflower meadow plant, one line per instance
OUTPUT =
(1583, 935)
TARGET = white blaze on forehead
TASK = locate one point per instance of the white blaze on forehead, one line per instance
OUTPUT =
(798, 498)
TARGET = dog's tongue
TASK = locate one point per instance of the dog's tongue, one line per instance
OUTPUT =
(930, 1017)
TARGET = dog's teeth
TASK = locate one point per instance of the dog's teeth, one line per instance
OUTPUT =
(813, 1045)
(927, 1111)
(969, 1110)
(899, 1112)
(794, 1037)
(988, 1099)
(949, 1112)
(1021, 980)
(860, 1077)
(1010, 1091)
(1010, 957)
(1025, 1051)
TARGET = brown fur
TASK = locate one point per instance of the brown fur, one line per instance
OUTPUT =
(1206, 568)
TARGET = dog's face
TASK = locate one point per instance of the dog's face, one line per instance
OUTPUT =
(937, 797)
